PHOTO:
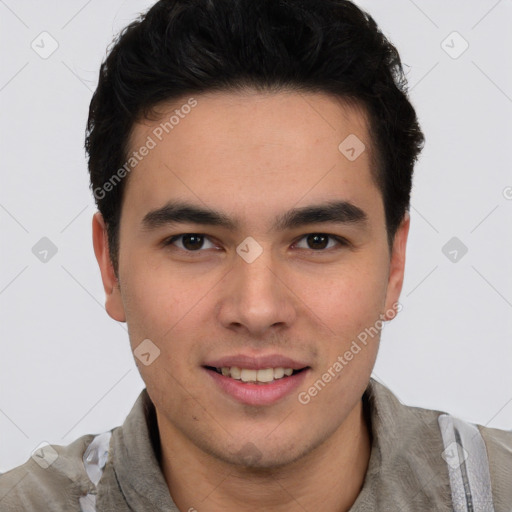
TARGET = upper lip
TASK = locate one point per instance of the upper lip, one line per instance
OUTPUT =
(257, 362)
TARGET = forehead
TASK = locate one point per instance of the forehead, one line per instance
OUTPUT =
(270, 148)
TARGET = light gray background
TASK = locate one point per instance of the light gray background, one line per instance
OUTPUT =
(66, 368)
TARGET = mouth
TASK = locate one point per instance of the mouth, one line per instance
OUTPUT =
(256, 387)
(263, 376)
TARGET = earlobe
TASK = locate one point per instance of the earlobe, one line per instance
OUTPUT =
(113, 300)
(397, 268)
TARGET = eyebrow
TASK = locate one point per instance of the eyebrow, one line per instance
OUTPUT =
(175, 212)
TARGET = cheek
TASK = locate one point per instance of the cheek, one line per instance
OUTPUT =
(154, 299)
(150, 310)
(351, 298)
(165, 309)
(157, 310)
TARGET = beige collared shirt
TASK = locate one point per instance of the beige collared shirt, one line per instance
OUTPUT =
(406, 472)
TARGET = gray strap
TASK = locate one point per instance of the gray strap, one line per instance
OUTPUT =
(468, 465)
(95, 458)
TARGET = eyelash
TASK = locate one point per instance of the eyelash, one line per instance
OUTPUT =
(341, 241)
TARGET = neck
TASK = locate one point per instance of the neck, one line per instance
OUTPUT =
(332, 474)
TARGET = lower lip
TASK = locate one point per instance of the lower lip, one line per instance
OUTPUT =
(258, 394)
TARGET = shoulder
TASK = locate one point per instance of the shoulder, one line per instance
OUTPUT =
(414, 421)
(498, 445)
(53, 475)
(459, 452)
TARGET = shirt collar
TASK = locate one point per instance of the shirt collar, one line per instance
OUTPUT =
(405, 470)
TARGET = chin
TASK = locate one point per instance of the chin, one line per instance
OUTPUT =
(263, 454)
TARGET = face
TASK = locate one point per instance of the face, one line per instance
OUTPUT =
(286, 266)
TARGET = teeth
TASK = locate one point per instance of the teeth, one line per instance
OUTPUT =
(278, 373)
(248, 375)
(235, 372)
(264, 375)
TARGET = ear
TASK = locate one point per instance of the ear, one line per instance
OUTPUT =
(113, 302)
(397, 268)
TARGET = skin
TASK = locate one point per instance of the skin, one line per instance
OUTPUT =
(254, 156)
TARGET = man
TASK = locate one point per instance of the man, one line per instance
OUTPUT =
(252, 164)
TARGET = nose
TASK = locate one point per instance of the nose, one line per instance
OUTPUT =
(256, 298)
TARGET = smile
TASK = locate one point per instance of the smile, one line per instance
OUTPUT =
(263, 376)
(256, 387)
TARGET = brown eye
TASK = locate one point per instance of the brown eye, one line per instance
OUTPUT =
(191, 242)
(317, 241)
(320, 241)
